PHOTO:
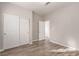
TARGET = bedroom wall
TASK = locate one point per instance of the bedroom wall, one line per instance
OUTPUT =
(64, 26)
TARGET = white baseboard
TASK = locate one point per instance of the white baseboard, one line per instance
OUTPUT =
(69, 47)
(1, 50)
(38, 40)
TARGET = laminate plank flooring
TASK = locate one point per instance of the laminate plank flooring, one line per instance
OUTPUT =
(39, 48)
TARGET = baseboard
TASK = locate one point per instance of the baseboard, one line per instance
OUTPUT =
(69, 47)
(38, 40)
(1, 50)
(35, 40)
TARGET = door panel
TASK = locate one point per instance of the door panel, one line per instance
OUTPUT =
(11, 31)
(24, 30)
(16, 31)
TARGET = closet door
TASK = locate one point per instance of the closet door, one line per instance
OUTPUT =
(24, 30)
(11, 31)
(41, 30)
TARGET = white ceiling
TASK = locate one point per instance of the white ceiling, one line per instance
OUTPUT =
(40, 7)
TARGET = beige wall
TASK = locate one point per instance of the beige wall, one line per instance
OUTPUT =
(64, 26)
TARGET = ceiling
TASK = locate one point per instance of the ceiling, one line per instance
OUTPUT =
(40, 7)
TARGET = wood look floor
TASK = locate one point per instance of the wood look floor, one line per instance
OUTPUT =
(39, 48)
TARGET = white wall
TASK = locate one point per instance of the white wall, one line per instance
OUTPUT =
(64, 25)
(35, 26)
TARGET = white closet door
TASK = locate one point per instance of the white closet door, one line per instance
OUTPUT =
(24, 30)
(11, 31)
(41, 30)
